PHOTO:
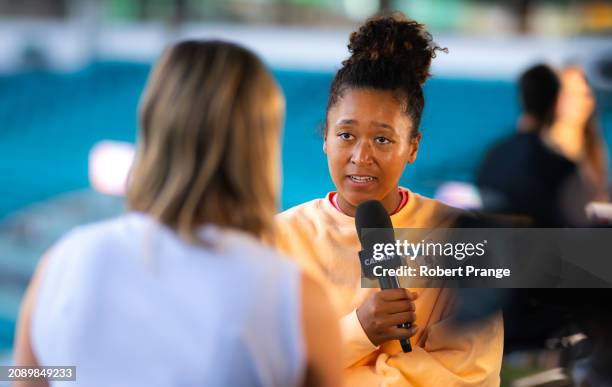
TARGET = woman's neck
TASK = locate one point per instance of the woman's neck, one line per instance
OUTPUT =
(391, 202)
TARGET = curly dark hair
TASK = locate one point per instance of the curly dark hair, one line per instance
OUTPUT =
(388, 52)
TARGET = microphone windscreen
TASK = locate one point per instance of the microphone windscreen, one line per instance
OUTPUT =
(374, 227)
(371, 214)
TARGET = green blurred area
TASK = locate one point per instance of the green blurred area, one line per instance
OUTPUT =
(547, 17)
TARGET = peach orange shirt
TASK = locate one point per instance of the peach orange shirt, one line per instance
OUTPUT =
(324, 242)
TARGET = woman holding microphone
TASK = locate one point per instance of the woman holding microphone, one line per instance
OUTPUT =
(178, 291)
(371, 134)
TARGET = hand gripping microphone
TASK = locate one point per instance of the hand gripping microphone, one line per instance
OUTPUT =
(374, 226)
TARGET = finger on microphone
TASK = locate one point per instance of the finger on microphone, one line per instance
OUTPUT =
(401, 318)
(399, 306)
(412, 295)
(394, 294)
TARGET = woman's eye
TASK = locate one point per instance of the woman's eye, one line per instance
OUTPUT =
(382, 140)
(345, 136)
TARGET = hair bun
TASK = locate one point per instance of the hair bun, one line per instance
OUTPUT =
(394, 38)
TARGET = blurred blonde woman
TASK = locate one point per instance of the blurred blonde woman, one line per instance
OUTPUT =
(178, 291)
(576, 134)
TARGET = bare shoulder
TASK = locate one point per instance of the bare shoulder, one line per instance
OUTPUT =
(322, 336)
(24, 353)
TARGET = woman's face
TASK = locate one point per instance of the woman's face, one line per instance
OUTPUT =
(368, 143)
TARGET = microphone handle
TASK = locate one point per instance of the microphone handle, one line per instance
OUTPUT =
(393, 283)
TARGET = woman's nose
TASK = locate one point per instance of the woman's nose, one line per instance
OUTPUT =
(362, 153)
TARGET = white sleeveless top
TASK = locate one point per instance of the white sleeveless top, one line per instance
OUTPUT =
(130, 304)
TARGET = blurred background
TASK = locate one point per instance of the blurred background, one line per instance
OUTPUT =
(71, 74)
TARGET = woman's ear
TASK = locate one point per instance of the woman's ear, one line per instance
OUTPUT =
(325, 141)
(414, 147)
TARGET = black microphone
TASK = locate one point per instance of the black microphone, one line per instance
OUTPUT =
(374, 226)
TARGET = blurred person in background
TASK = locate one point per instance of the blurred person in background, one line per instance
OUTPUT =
(576, 132)
(557, 162)
(178, 291)
(548, 171)
(372, 133)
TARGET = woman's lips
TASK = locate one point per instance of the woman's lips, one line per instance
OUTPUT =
(361, 180)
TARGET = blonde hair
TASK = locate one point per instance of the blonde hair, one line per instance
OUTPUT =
(208, 152)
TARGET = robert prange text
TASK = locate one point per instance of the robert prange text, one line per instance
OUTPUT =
(437, 271)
